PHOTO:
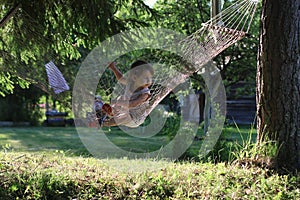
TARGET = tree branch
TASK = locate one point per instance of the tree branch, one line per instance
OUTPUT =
(10, 13)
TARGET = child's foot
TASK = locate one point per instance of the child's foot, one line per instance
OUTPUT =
(101, 120)
(107, 109)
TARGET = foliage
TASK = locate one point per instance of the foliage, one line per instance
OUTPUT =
(171, 126)
(65, 32)
(183, 16)
(83, 23)
(6, 84)
(40, 176)
(135, 13)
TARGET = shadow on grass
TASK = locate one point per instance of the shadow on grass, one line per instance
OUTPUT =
(43, 139)
(67, 140)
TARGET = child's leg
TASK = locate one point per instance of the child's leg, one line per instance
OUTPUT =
(106, 108)
(110, 122)
(100, 117)
(118, 120)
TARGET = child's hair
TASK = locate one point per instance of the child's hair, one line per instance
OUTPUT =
(136, 68)
(140, 66)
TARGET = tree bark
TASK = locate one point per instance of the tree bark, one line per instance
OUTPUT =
(278, 80)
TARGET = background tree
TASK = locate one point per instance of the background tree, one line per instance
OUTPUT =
(37, 31)
(278, 80)
(38, 28)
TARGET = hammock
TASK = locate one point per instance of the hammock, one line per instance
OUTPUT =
(223, 30)
(215, 36)
(229, 26)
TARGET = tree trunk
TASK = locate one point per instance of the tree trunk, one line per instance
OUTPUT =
(278, 80)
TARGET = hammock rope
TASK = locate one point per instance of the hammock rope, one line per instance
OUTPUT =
(215, 36)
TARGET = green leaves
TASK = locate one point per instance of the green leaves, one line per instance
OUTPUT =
(6, 84)
(41, 30)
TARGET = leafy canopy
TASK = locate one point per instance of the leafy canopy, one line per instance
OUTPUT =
(58, 29)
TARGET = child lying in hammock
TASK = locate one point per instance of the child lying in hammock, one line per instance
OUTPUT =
(101, 110)
(130, 109)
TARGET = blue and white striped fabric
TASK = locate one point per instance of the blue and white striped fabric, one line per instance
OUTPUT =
(55, 78)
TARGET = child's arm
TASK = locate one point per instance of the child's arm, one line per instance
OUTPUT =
(138, 101)
(117, 73)
(132, 103)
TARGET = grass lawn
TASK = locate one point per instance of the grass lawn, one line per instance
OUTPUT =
(46, 163)
(42, 139)
(49, 139)
(44, 176)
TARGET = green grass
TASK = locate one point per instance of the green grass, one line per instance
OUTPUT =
(42, 139)
(45, 176)
(66, 139)
(48, 139)
(52, 163)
